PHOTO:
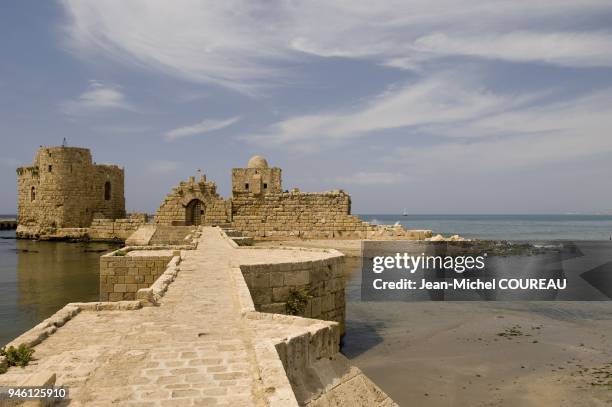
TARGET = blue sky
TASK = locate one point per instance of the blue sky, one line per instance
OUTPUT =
(485, 106)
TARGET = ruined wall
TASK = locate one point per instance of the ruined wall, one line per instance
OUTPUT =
(174, 209)
(297, 214)
(65, 189)
(122, 276)
(321, 281)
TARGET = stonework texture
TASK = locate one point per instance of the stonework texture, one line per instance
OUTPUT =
(63, 188)
(122, 276)
(319, 283)
(193, 203)
(115, 229)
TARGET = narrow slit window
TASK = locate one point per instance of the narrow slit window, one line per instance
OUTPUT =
(246, 186)
(33, 194)
(50, 168)
(107, 191)
(265, 185)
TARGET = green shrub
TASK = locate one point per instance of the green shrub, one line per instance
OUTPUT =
(297, 301)
(120, 253)
(19, 356)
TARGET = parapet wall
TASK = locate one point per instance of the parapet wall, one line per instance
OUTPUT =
(114, 229)
(314, 289)
(125, 271)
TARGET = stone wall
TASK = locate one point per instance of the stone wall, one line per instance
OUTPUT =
(174, 209)
(65, 189)
(321, 281)
(122, 276)
(115, 229)
(256, 181)
(297, 214)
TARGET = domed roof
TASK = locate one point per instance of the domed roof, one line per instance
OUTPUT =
(257, 161)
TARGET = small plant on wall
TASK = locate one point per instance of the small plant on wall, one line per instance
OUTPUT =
(19, 356)
(297, 301)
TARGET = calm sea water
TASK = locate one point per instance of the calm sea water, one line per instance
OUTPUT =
(39, 278)
(507, 227)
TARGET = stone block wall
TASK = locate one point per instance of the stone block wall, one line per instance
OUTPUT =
(114, 229)
(271, 286)
(297, 214)
(256, 181)
(122, 276)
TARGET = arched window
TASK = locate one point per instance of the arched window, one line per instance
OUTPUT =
(33, 194)
(107, 191)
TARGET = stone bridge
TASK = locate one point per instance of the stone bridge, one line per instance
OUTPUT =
(195, 338)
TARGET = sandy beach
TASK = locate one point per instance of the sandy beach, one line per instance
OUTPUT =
(478, 353)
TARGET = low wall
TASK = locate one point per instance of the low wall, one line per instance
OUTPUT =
(117, 229)
(122, 276)
(296, 214)
(275, 287)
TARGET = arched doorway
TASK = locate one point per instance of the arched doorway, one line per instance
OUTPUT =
(194, 211)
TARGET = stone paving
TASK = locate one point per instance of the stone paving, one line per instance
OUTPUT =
(195, 349)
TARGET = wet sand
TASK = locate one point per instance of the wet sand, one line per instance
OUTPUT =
(479, 353)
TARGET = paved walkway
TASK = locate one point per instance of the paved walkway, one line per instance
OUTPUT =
(193, 350)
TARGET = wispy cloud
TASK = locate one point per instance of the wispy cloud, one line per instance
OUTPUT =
(205, 126)
(439, 99)
(576, 49)
(242, 44)
(462, 125)
(163, 166)
(97, 97)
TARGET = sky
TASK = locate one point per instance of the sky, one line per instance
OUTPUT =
(445, 106)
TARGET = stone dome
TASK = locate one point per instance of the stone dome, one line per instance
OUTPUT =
(257, 161)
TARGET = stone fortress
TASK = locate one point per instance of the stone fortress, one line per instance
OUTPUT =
(186, 314)
(260, 208)
(64, 195)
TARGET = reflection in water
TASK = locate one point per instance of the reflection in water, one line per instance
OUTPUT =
(38, 278)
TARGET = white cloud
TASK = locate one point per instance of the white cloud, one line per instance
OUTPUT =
(97, 97)
(163, 166)
(241, 44)
(464, 126)
(440, 99)
(205, 126)
(561, 48)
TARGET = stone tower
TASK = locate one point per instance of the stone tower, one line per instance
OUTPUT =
(257, 179)
(65, 189)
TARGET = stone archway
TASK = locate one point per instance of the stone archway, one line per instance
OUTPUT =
(194, 211)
